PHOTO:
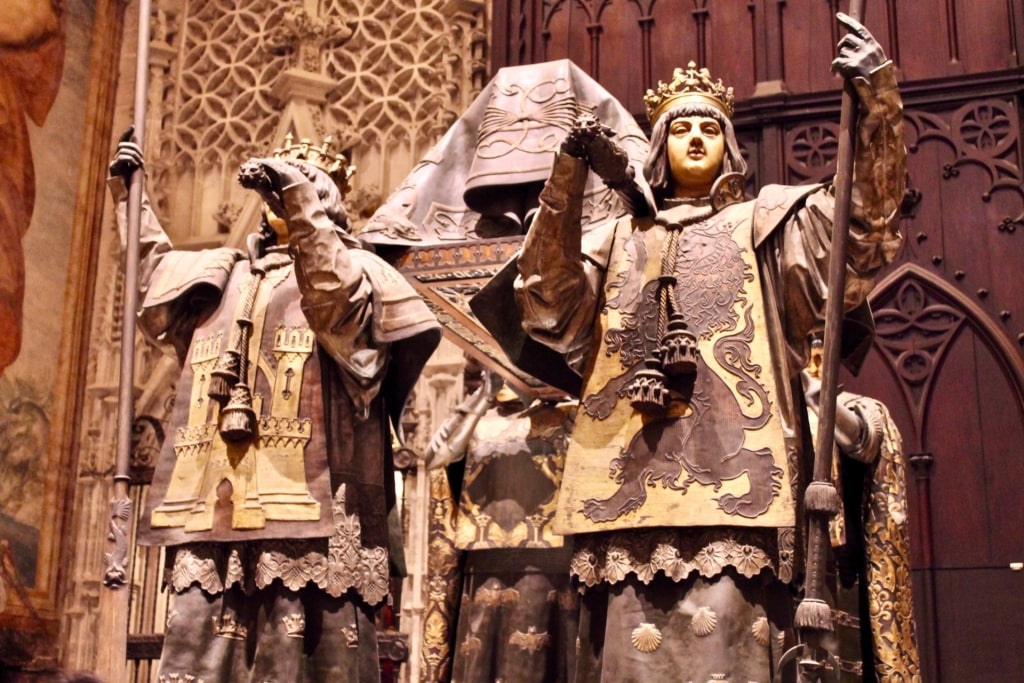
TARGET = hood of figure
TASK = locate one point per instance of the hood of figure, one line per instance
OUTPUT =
(483, 178)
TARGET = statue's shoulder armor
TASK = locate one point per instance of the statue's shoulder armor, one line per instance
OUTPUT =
(775, 203)
(180, 272)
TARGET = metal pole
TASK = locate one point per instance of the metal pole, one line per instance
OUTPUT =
(113, 650)
(117, 560)
(813, 615)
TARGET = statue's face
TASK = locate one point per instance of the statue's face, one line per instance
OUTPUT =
(696, 148)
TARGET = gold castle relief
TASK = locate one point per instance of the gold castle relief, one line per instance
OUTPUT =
(265, 478)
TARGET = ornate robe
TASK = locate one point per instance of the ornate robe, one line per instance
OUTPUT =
(714, 478)
(513, 469)
(685, 521)
(328, 340)
(517, 618)
(873, 542)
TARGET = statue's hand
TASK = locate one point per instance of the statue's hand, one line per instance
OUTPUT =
(269, 178)
(583, 130)
(128, 157)
(493, 382)
(859, 52)
(590, 140)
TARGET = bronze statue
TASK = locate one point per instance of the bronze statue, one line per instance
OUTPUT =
(482, 178)
(689, 327)
(517, 616)
(481, 182)
(274, 491)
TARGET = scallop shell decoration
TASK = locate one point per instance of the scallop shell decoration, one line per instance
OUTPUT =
(646, 637)
(761, 631)
(703, 622)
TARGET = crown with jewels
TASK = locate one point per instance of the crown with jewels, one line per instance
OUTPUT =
(692, 84)
(334, 164)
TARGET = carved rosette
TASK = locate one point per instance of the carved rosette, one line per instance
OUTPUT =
(812, 150)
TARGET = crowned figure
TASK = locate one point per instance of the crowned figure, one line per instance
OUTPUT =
(274, 493)
(688, 324)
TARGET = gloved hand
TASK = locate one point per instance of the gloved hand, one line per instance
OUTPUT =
(859, 52)
(591, 141)
(127, 158)
(270, 177)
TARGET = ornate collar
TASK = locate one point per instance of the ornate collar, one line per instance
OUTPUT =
(728, 189)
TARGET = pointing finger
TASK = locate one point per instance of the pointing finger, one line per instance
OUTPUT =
(853, 26)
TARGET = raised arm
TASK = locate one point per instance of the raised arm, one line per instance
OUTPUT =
(176, 288)
(799, 249)
(558, 288)
(880, 173)
(153, 241)
(337, 294)
(451, 441)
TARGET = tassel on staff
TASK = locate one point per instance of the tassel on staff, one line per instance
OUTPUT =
(813, 616)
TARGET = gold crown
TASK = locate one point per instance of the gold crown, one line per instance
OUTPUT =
(334, 164)
(692, 84)
(225, 626)
(295, 625)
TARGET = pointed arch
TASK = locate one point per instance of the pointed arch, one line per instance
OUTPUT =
(918, 316)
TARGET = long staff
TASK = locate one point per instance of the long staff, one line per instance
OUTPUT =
(813, 615)
(117, 561)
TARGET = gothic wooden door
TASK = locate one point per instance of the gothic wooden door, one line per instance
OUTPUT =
(947, 360)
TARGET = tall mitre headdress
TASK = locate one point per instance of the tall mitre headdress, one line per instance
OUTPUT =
(692, 85)
(334, 164)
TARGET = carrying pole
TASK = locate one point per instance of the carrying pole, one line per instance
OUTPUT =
(813, 615)
(113, 662)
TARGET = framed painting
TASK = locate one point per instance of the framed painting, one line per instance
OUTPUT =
(49, 189)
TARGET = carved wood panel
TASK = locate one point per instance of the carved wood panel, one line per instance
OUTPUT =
(948, 361)
(955, 385)
(760, 47)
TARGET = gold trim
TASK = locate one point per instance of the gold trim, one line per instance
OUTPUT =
(691, 84)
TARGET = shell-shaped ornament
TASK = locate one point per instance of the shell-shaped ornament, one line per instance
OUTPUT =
(761, 631)
(704, 622)
(646, 637)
